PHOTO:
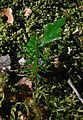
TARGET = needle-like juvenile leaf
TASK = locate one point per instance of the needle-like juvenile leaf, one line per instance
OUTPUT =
(32, 45)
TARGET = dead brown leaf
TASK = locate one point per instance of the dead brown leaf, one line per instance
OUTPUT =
(25, 81)
(8, 13)
(27, 12)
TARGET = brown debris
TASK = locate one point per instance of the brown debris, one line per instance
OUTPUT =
(27, 12)
(8, 13)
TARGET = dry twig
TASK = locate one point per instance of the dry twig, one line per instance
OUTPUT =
(75, 90)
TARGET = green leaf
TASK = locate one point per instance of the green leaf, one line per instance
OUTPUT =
(32, 45)
(52, 31)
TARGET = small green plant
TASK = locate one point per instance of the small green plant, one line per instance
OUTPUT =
(34, 48)
(37, 49)
(53, 56)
